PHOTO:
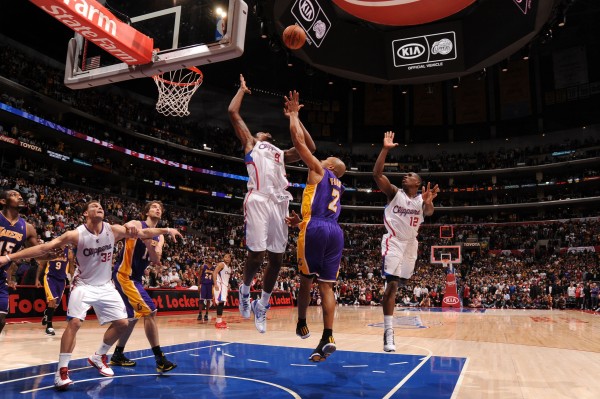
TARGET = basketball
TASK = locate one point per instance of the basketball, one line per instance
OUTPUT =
(294, 37)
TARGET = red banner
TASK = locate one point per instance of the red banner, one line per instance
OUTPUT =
(98, 25)
(30, 302)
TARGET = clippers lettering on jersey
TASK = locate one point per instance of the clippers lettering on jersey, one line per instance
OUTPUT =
(403, 211)
(96, 251)
(267, 146)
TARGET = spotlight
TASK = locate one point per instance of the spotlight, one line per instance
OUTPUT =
(562, 17)
(263, 30)
(429, 89)
(288, 60)
(504, 65)
(455, 83)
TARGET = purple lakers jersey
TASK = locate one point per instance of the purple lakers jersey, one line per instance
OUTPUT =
(12, 239)
(134, 257)
(207, 274)
(57, 267)
(322, 200)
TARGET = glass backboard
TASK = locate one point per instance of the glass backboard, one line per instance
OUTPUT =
(185, 33)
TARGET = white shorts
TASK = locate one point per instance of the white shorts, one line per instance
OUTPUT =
(221, 295)
(399, 257)
(265, 224)
(105, 299)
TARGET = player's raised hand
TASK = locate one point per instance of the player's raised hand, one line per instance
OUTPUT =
(388, 140)
(243, 86)
(428, 194)
(292, 103)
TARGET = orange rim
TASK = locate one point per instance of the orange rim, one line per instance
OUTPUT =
(194, 83)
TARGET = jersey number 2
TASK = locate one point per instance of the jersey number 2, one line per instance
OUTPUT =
(333, 204)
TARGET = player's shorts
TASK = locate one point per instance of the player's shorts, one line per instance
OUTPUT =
(264, 220)
(4, 298)
(221, 295)
(398, 256)
(105, 299)
(54, 288)
(137, 301)
(206, 292)
(320, 246)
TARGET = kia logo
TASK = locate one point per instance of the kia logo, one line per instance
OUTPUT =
(410, 51)
(307, 10)
(451, 300)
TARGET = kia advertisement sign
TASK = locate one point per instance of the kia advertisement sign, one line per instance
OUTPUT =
(524, 5)
(311, 17)
(435, 52)
(422, 50)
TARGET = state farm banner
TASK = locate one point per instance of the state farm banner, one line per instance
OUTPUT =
(98, 25)
(30, 302)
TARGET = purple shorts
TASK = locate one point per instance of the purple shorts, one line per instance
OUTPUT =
(54, 289)
(137, 301)
(206, 291)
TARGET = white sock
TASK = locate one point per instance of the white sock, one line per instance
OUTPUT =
(245, 289)
(388, 321)
(103, 350)
(63, 360)
(264, 298)
(219, 319)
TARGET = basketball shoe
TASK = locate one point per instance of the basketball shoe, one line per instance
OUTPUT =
(61, 379)
(99, 362)
(325, 348)
(119, 359)
(260, 316)
(50, 331)
(244, 305)
(302, 330)
(388, 340)
(163, 365)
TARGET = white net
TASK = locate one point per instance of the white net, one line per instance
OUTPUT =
(175, 89)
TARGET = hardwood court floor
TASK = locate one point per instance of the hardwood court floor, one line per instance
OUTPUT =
(507, 353)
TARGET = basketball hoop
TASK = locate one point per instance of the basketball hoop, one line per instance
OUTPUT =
(175, 89)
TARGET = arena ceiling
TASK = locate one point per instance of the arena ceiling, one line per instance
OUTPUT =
(352, 48)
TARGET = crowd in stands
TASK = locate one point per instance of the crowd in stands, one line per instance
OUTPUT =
(540, 274)
(551, 264)
(138, 116)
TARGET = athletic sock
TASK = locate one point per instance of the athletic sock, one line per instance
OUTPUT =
(264, 298)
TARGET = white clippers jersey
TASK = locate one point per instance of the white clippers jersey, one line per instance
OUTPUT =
(403, 216)
(266, 169)
(94, 255)
(223, 276)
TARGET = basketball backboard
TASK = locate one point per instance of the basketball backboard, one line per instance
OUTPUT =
(186, 33)
(445, 254)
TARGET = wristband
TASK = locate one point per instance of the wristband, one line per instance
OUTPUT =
(8, 258)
